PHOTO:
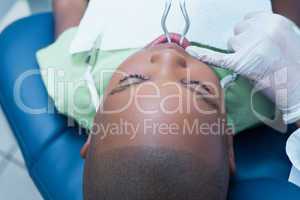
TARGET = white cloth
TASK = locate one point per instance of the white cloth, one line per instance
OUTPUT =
(293, 152)
(295, 176)
(134, 23)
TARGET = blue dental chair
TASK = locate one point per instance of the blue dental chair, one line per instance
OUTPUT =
(51, 148)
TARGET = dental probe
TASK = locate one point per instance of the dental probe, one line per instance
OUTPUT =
(185, 15)
(91, 62)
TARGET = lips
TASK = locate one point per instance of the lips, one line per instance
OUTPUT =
(175, 38)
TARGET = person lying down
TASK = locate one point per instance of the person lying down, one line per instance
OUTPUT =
(162, 118)
(63, 75)
(165, 126)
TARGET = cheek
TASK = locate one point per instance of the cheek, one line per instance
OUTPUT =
(135, 62)
(202, 70)
(116, 103)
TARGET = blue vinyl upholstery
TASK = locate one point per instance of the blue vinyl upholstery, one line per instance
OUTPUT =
(263, 189)
(51, 148)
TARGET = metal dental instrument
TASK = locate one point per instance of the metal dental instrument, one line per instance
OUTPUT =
(164, 19)
(225, 82)
(184, 12)
(91, 62)
(186, 18)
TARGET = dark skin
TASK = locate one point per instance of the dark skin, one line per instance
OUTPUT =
(162, 94)
(163, 86)
(288, 8)
(170, 70)
(160, 65)
(68, 13)
(164, 70)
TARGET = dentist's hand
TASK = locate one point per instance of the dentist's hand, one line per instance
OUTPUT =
(267, 51)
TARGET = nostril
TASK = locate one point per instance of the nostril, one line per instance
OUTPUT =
(182, 63)
(153, 59)
(168, 57)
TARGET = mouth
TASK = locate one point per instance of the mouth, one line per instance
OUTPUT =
(175, 39)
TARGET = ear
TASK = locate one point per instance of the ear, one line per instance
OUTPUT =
(231, 156)
(84, 150)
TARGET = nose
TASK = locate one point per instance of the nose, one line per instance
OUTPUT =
(168, 59)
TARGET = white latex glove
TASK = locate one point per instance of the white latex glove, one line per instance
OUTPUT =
(293, 149)
(267, 51)
(293, 152)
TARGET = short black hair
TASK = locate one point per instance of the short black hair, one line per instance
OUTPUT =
(152, 173)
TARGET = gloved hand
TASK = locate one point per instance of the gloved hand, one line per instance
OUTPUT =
(293, 152)
(267, 51)
(293, 149)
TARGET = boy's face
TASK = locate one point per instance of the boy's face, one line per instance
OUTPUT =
(161, 96)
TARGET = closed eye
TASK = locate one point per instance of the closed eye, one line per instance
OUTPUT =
(133, 78)
(127, 81)
(196, 86)
(202, 91)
